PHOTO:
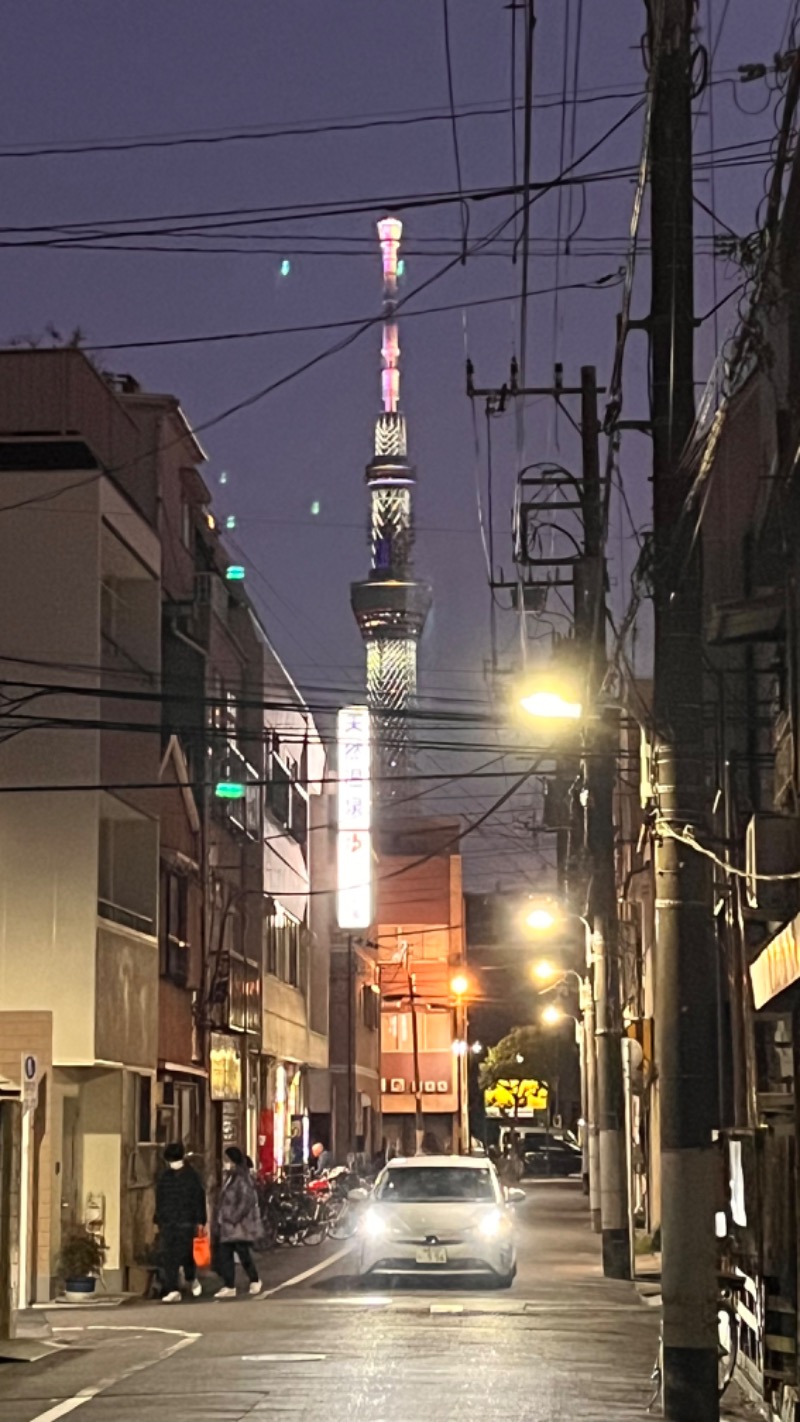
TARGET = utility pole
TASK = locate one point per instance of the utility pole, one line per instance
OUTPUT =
(419, 1122)
(685, 1008)
(599, 765)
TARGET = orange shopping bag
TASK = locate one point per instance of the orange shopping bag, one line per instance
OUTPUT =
(201, 1249)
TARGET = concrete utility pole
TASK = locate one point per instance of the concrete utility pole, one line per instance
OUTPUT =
(685, 1009)
(599, 764)
(608, 1192)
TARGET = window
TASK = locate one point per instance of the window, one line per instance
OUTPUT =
(283, 947)
(237, 1002)
(187, 524)
(293, 955)
(174, 932)
(434, 1031)
(279, 791)
(141, 1107)
(370, 1007)
(252, 988)
(421, 1183)
(130, 606)
(127, 879)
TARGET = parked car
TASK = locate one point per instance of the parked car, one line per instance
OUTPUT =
(440, 1215)
(544, 1153)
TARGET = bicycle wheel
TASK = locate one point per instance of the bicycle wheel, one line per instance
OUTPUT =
(728, 1343)
(345, 1225)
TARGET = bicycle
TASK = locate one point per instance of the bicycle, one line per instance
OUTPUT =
(727, 1340)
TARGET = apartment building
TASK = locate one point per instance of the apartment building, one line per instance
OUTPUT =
(156, 768)
(421, 953)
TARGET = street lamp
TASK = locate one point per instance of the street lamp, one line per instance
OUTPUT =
(541, 919)
(551, 706)
(551, 974)
(552, 1015)
(459, 985)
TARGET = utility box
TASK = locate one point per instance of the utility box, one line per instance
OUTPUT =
(772, 846)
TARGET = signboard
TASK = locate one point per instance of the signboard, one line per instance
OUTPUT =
(225, 1076)
(354, 851)
(515, 1098)
(29, 1081)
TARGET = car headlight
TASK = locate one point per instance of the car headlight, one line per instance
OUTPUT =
(374, 1225)
(493, 1224)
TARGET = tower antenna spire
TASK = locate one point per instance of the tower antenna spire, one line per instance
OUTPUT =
(390, 605)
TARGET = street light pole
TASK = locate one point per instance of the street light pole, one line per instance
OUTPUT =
(599, 765)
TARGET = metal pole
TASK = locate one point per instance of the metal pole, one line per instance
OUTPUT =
(599, 768)
(584, 1110)
(591, 1114)
(685, 1016)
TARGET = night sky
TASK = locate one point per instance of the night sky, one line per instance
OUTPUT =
(91, 72)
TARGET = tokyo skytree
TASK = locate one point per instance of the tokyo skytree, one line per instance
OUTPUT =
(390, 605)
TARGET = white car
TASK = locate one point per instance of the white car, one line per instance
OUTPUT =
(441, 1215)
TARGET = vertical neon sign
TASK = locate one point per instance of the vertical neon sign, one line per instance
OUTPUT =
(354, 898)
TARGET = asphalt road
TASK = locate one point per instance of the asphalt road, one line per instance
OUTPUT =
(562, 1344)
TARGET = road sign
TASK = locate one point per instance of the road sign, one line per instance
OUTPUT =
(30, 1081)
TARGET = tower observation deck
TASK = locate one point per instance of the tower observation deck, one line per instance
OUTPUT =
(390, 605)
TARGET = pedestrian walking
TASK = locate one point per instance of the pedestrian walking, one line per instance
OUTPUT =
(180, 1212)
(237, 1225)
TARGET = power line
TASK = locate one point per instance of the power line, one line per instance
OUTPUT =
(211, 138)
(454, 129)
(215, 337)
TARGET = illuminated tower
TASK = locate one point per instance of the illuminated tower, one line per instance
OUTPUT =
(390, 606)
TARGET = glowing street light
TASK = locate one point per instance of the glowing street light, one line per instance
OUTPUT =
(541, 919)
(545, 971)
(477, 1047)
(552, 1015)
(551, 706)
(459, 985)
(459, 1047)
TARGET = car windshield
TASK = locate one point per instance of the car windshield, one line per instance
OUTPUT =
(420, 1184)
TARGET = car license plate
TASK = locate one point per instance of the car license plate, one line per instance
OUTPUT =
(432, 1254)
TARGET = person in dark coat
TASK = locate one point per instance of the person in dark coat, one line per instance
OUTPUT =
(237, 1225)
(180, 1212)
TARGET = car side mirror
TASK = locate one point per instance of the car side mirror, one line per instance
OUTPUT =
(358, 1194)
(516, 1197)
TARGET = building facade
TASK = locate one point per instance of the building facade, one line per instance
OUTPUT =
(157, 767)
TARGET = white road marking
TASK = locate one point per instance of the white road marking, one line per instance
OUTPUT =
(447, 1308)
(86, 1394)
(283, 1357)
(307, 1274)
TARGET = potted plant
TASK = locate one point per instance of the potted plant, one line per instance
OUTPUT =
(79, 1262)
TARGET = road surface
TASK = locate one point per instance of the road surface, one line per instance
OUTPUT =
(562, 1344)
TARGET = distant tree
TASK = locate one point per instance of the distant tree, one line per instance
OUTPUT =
(525, 1054)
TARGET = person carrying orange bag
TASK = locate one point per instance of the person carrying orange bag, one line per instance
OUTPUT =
(201, 1249)
(180, 1211)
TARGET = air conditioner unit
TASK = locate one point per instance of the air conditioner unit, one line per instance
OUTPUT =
(397, 1084)
(772, 846)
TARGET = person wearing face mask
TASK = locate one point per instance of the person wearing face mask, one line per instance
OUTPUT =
(180, 1212)
(237, 1224)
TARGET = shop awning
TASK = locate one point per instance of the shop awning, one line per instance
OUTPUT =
(778, 965)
